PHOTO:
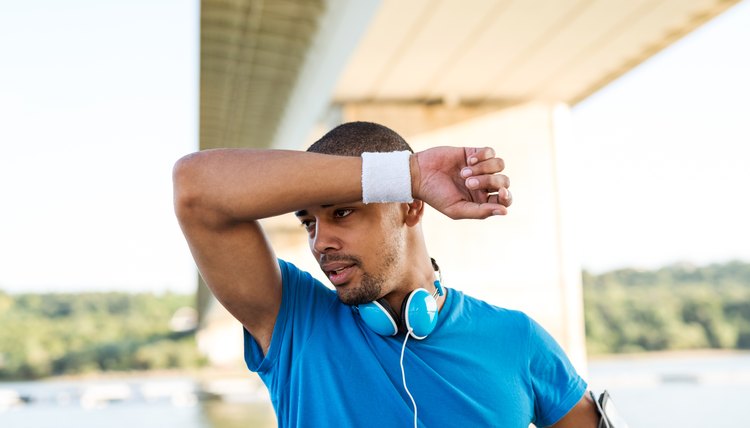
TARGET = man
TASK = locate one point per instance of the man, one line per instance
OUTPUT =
(444, 359)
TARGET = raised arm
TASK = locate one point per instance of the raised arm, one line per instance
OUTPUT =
(220, 195)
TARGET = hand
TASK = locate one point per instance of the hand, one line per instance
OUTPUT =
(461, 182)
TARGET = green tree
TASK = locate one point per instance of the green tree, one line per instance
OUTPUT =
(674, 307)
(52, 334)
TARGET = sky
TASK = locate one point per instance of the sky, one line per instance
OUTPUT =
(663, 155)
(97, 102)
(99, 99)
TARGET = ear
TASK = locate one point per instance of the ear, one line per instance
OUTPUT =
(414, 211)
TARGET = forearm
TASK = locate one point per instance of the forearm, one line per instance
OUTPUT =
(243, 184)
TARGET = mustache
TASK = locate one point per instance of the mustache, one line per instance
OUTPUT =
(329, 258)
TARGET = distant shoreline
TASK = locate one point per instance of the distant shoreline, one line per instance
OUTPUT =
(199, 374)
(678, 353)
(213, 373)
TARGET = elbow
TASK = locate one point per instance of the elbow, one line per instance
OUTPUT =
(185, 189)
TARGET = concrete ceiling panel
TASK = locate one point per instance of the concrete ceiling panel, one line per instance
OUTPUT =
(271, 66)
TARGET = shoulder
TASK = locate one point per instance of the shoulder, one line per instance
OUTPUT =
(305, 302)
(482, 317)
(302, 291)
(471, 306)
(484, 320)
(292, 274)
(293, 278)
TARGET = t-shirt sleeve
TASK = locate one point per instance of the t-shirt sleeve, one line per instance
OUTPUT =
(557, 387)
(302, 299)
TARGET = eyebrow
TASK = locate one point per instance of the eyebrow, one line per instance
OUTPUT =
(302, 213)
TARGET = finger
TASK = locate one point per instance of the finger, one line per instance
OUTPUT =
(479, 196)
(479, 154)
(490, 183)
(489, 166)
(473, 210)
(507, 200)
(502, 197)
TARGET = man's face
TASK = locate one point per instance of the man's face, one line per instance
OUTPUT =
(357, 246)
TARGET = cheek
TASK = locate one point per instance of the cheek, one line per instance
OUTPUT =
(391, 246)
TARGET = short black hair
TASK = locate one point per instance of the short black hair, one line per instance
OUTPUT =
(355, 138)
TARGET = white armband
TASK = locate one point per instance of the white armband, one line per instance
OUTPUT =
(386, 177)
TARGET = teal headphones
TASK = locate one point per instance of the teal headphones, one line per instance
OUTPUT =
(418, 315)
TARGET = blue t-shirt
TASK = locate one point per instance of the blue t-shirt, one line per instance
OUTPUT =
(482, 366)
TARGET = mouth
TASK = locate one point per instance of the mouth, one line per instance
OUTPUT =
(339, 274)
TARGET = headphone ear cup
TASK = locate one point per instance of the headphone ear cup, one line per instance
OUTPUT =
(380, 317)
(419, 313)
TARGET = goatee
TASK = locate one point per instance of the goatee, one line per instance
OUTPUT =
(369, 290)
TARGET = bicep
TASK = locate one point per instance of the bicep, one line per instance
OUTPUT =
(240, 268)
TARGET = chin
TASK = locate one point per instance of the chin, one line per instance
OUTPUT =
(353, 297)
(357, 293)
(352, 300)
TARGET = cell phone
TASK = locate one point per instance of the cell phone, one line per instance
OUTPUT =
(610, 417)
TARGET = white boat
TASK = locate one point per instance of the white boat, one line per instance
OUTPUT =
(9, 398)
(100, 395)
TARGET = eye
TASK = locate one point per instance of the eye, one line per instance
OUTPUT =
(341, 213)
(308, 224)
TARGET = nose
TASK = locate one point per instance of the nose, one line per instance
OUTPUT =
(325, 239)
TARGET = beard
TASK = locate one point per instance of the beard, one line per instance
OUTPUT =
(371, 285)
(369, 290)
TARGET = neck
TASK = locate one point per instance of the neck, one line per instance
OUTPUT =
(418, 273)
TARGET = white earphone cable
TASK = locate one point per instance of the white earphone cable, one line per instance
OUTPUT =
(403, 377)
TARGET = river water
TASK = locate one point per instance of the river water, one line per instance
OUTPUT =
(688, 391)
(700, 390)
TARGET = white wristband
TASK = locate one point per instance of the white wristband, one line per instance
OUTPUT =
(386, 177)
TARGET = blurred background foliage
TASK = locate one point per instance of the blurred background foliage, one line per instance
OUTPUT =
(678, 307)
(54, 334)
